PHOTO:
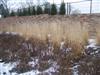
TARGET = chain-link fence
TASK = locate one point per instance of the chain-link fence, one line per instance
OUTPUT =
(87, 6)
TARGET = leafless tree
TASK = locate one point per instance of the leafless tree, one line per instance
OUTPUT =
(4, 2)
(4, 7)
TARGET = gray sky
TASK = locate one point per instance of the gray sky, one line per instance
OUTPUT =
(82, 6)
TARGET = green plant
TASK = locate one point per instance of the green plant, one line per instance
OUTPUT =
(4, 11)
(25, 12)
(53, 9)
(29, 11)
(33, 10)
(19, 12)
(62, 9)
(39, 10)
(12, 13)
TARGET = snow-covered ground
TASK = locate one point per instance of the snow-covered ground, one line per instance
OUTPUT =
(75, 69)
(92, 43)
(6, 67)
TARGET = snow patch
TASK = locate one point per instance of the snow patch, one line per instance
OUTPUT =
(53, 68)
(13, 33)
(6, 67)
(75, 69)
(92, 43)
(34, 72)
(34, 62)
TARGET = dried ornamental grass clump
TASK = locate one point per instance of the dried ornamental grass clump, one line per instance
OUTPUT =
(57, 39)
(98, 35)
(57, 27)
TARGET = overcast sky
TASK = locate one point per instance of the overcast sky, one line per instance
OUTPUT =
(82, 6)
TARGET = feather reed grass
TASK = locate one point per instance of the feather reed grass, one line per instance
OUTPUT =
(42, 26)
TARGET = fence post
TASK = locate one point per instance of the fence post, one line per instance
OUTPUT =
(53, 1)
(62, 1)
(90, 7)
(50, 10)
(67, 9)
